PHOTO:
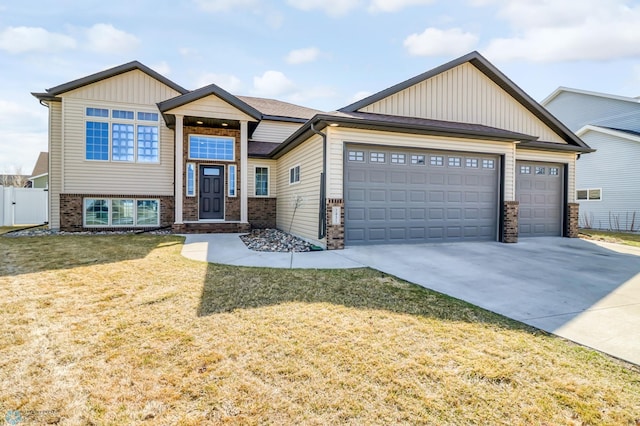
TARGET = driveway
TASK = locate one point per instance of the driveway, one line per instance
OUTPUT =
(584, 291)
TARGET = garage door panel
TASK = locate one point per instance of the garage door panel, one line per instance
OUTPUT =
(432, 201)
(541, 196)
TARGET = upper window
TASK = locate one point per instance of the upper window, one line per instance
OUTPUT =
(148, 116)
(294, 174)
(262, 181)
(211, 148)
(119, 137)
(594, 194)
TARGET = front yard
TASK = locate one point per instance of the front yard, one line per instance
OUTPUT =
(123, 330)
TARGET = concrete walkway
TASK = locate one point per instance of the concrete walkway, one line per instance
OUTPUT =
(584, 291)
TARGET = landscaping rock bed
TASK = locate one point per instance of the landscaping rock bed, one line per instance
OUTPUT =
(275, 241)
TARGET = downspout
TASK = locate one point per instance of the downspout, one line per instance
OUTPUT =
(322, 219)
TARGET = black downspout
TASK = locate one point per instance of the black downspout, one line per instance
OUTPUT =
(322, 219)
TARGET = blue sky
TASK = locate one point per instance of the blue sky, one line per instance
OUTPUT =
(323, 54)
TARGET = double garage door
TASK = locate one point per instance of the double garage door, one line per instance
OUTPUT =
(395, 195)
(410, 195)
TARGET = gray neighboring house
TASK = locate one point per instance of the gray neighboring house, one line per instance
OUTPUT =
(607, 182)
(40, 174)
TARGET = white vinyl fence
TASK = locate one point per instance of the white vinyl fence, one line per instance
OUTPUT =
(23, 206)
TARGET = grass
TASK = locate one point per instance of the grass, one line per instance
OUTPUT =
(123, 330)
(628, 238)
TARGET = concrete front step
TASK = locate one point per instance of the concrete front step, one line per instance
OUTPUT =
(211, 228)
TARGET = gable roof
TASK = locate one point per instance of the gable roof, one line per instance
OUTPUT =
(51, 93)
(42, 165)
(563, 89)
(619, 133)
(273, 109)
(203, 92)
(495, 75)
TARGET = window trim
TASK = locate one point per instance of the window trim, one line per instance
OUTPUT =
(231, 138)
(588, 190)
(109, 203)
(292, 176)
(255, 183)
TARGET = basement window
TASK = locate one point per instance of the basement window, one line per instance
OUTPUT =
(593, 194)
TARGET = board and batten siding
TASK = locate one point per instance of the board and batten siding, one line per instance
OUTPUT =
(112, 177)
(304, 223)
(338, 136)
(464, 94)
(251, 176)
(133, 87)
(620, 189)
(274, 131)
(55, 163)
(212, 107)
(577, 110)
(569, 159)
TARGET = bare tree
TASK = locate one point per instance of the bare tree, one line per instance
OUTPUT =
(19, 180)
(5, 179)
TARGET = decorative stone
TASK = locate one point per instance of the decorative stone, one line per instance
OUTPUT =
(274, 240)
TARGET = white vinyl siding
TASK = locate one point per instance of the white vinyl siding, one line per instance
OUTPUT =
(338, 136)
(274, 131)
(554, 157)
(55, 163)
(614, 169)
(308, 156)
(213, 107)
(271, 165)
(464, 94)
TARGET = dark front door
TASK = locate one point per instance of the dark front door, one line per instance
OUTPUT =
(212, 192)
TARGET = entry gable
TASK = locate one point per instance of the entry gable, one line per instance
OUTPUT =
(468, 90)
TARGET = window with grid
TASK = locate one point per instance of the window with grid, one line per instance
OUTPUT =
(211, 148)
(262, 181)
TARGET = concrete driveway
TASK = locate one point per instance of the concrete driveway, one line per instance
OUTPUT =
(586, 292)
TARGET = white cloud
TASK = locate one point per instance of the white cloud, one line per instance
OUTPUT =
(567, 30)
(23, 136)
(105, 38)
(436, 42)
(33, 39)
(333, 8)
(273, 84)
(300, 56)
(162, 68)
(224, 5)
(228, 82)
(394, 5)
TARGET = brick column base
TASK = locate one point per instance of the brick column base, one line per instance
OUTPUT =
(510, 222)
(573, 217)
(335, 232)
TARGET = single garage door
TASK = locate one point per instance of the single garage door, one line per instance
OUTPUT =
(397, 195)
(539, 189)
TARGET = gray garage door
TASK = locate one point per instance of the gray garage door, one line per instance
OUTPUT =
(539, 189)
(416, 196)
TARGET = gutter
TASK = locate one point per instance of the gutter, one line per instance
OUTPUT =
(322, 219)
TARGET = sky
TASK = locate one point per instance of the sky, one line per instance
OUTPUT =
(324, 54)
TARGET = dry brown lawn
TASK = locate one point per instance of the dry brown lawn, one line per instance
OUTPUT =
(122, 330)
(628, 238)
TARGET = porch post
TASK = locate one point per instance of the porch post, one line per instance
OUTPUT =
(244, 173)
(179, 169)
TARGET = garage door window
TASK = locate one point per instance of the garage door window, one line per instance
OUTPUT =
(398, 158)
(525, 170)
(455, 161)
(356, 156)
(377, 157)
(417, 159)
(488, 164)
(541, 170)
(472, 162)
(436, 160)
(553, 171)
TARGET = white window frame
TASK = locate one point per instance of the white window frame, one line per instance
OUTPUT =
(255, 187)
(588, 190)
(234, 181)
(109, 202)
(292, 180)
(186, 186)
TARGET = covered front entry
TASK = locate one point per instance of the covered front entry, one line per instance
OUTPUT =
(539, 191)
(211, 192)
(401, 195)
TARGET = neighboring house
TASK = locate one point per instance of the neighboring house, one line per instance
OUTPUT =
(607, 182)
(40, 175)
(459, 153)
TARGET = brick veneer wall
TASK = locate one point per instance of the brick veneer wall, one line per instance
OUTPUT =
(71, 209)
(573, 217)
(262, 212)
(231, 204)
(510, 222)
(335, 233)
